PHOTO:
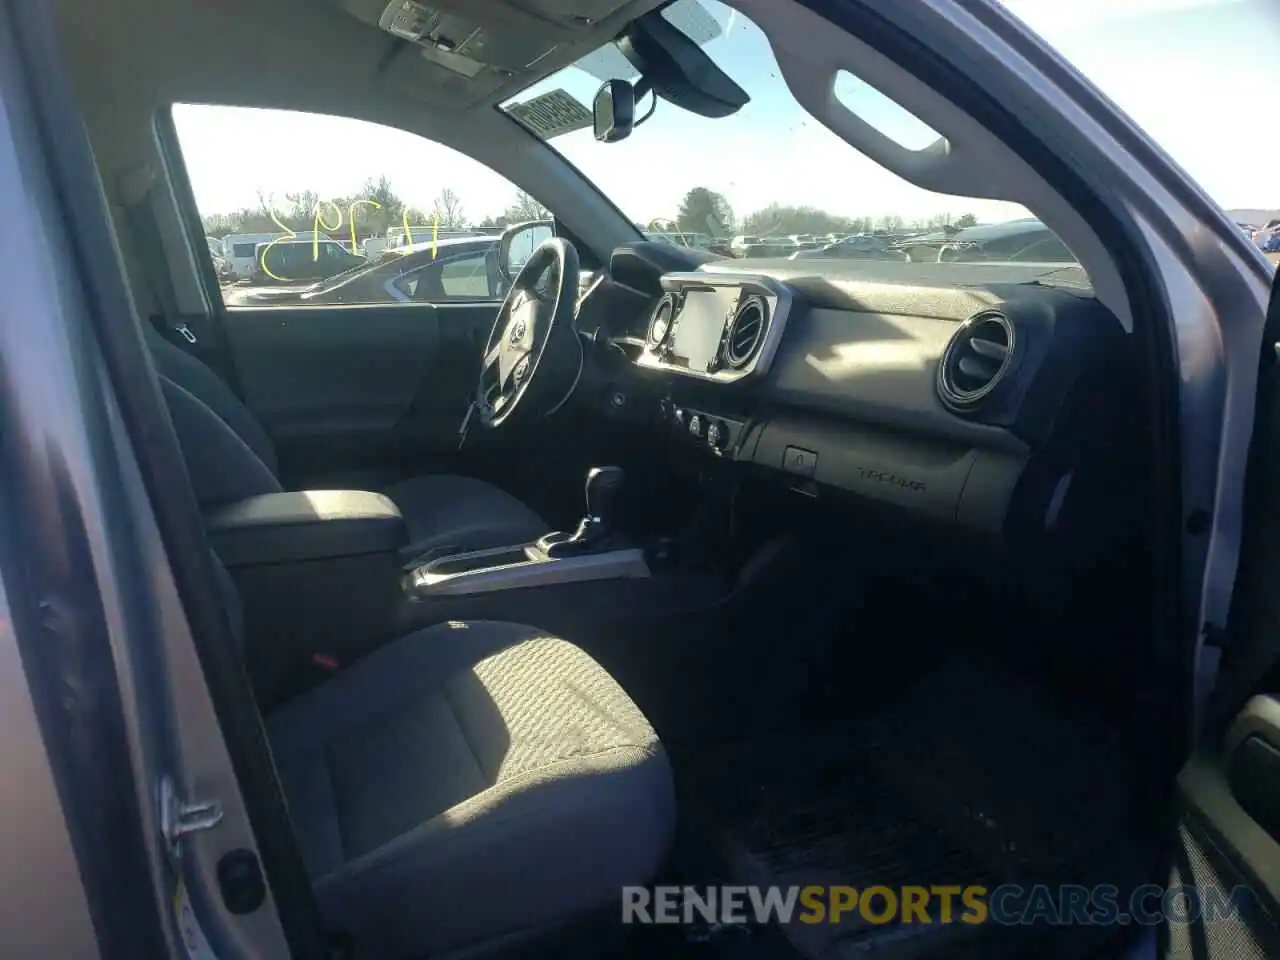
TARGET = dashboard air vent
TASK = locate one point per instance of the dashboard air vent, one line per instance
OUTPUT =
(745, 333)
(976, 360)
(660, 322)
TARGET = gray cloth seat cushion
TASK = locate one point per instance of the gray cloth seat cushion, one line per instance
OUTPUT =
(469, 782)
(230, 457)
(448, 514)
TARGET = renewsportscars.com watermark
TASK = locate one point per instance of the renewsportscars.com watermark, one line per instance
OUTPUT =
(1008, 905)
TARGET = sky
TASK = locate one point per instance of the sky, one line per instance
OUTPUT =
(1198, 75)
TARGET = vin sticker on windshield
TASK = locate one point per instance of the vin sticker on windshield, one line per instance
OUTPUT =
(552, 114)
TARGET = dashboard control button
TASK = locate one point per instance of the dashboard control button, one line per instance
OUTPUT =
(801, 462)
(617, 399)
(716, 435)
(695, 425)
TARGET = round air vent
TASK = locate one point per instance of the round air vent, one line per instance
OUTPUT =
(660, 322)
(745, 333)
(976, 360)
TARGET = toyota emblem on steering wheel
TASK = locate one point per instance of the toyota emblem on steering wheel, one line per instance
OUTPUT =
(517, 332)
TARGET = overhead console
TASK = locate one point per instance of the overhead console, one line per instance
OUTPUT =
(456, 53)
(716, 328)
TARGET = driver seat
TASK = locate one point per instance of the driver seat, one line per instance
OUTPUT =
(230, 457)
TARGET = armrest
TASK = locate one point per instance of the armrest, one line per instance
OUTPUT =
(305, 525)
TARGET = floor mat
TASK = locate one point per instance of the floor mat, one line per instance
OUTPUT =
(973, 777)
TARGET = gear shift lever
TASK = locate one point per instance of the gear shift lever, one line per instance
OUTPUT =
(596, 528)
(601, 489)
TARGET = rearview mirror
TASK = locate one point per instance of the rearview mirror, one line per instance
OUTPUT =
(517, 243)
(675, 68)
(614, 111)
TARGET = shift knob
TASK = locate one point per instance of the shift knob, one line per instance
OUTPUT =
(602, 487)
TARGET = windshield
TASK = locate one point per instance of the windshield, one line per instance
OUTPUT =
(768, 180)
(765, 180)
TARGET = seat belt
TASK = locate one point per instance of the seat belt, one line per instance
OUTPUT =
(1251, 651)
(141, 219)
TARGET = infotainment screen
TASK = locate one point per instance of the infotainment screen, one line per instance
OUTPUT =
(699, 326)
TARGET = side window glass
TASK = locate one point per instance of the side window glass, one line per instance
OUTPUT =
(448, 279)
(390, 218)
(466, 278)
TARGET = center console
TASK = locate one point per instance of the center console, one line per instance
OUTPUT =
(521, 567)
(318, 574)
(323, 582)
(594, 551)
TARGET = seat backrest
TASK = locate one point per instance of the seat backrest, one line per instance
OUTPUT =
(222, 467)
(188, 372)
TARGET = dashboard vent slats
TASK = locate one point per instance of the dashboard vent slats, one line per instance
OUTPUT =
(976, 361)
(745, 332)
(660, 323)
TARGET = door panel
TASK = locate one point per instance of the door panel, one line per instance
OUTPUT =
(360, 386)
(1229, 838)
(1230, 859)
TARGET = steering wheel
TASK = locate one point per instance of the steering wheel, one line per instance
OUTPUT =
(532, 336)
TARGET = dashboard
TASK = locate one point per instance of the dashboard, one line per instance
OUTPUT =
(981, 397)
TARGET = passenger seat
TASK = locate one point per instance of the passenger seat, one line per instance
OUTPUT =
(471, 783)
(230, 457)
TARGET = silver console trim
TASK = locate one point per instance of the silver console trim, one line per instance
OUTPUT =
(537, 570)
(777, 295)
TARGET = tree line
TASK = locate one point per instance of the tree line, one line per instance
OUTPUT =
(704, 210)
(375, 207)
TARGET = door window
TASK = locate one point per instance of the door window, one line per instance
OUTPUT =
(321, 192)
(466, 276)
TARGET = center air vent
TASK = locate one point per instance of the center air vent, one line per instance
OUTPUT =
(660, 322)
(976, 360)
(746, 332)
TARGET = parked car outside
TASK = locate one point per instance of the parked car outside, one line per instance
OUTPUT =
(296, 261)
(421, 233)
(767, 247)
(924, 247)
(221, 268)
(457, 268)
(695, 241)
(1025, 240)
(1267, 238)
(858, 247)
